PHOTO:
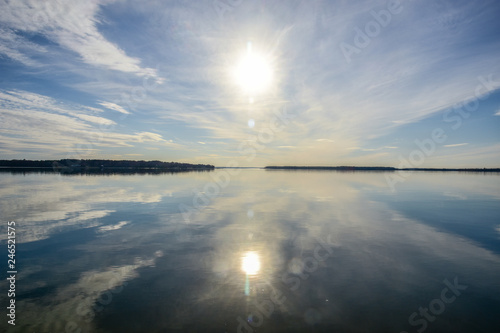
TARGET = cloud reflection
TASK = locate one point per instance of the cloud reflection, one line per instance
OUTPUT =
(250, 242)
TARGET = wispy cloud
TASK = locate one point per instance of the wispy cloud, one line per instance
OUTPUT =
(72, 25)
(112, 227)
(371, 149)
(37, 124)
(18, 48)
(456, 145)
(113, 106)
(487, 154)
(420, 64)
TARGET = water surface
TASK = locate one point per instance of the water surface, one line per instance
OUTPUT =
(255, 250)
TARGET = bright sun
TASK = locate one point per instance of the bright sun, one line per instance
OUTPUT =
(253, 72)
(250, 263)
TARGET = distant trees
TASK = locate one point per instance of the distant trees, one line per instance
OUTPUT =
(103, 164)
(374, 168)
(339, 168)
(25, 164)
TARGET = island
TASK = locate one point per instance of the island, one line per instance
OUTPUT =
(81, 166)
(379, 168)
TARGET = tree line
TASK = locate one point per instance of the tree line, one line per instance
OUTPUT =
(76, 164)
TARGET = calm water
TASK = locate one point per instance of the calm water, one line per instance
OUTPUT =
(272, 251)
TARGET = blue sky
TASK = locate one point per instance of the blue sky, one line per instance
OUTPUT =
(336, 82)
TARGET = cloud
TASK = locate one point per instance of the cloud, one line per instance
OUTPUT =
(487, 154)
(371, 149)
(336, 102)
(113, 226)
(414, 68)
(72, 25)
(456, 145)
(17, 48)
(75, 302)
(59, 206)
(148, 136)
(113, 106)
(89, 215)
(34, 123)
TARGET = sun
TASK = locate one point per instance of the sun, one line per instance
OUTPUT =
(253, 72)
(250, 263)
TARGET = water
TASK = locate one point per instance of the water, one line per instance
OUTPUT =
(262, 251)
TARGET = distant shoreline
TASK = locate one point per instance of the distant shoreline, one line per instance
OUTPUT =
(384, 169)
(92, 166)
(74, 166)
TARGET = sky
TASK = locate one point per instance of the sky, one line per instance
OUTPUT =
(252, 83)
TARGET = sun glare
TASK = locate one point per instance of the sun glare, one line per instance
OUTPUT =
(250, 263)
(253, 72)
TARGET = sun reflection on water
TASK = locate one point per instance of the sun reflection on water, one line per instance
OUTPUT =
(250, 263)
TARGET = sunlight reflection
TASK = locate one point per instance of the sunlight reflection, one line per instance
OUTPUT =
(250, 263)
